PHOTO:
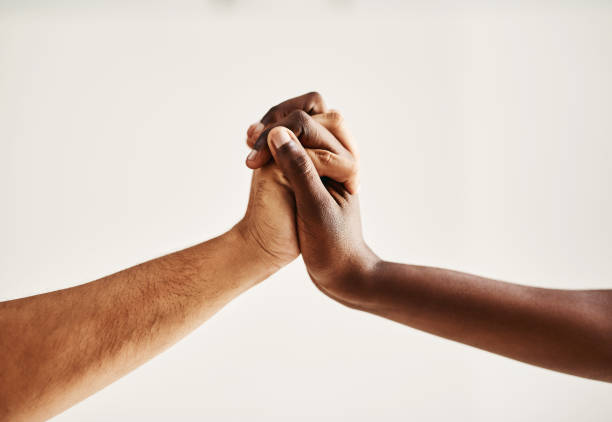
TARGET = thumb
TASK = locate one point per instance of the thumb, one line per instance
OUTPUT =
(297, 167)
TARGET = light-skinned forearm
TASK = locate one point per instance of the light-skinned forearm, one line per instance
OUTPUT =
(60, 347)
(563, 330)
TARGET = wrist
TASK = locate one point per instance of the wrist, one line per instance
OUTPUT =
(353, 284)
(368, 282)
(248, 247)
(216, 270)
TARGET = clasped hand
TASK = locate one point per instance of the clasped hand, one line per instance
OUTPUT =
(304, 196)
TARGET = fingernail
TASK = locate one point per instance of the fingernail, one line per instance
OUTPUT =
(252, 155)
(280, 138)
(254, 129)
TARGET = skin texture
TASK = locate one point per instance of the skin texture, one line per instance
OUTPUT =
(60, 347)
(563, 330)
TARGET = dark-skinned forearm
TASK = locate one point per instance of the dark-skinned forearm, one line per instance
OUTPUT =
(568, 331)
(563, 330)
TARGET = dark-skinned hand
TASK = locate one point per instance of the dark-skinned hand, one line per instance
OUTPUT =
(328, 222)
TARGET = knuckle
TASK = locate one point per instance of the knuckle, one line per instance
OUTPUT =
(301, 164)
(325, 157)
(273, 114)
(299, 115)
(300, 120)
(314, 102)
(335, 118)
(315, 96)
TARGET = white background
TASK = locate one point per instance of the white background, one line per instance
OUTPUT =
(486, 146)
